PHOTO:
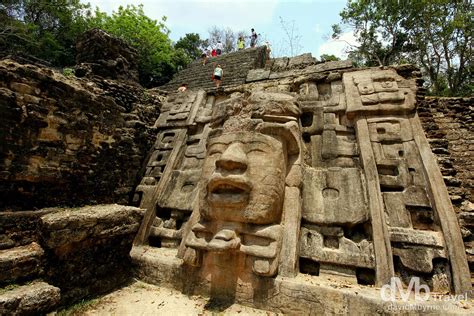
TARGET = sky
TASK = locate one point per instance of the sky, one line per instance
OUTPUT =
(312, 20)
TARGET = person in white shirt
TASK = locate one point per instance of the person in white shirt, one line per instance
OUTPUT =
(218, 75)
(219, 48)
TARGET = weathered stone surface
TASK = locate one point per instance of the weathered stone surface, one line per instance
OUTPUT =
(101, 54)
(347, 191)
(87, 248)
(257, 74)
(301, 61)
(20, 263)
(32, 299)
(68, 226)
(302, 295)
(334, 197)
(236, 66)
(19, 228)
(448, 126)
(67, 141)
(243, 189)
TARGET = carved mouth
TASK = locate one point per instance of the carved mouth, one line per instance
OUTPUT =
(228, 192)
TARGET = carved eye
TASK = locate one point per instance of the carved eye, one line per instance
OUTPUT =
(257, 147)
(215, 149)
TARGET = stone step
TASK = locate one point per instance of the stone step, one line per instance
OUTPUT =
(20, 263)
(34, 298)
(236, 66)
(19, 228)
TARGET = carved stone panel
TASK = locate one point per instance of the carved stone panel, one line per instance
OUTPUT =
(373, 93)
(330, 246)
(179, 109)
(335, 196)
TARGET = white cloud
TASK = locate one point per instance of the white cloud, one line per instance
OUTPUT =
(338, 47)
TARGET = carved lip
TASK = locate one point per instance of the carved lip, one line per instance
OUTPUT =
(228, 191)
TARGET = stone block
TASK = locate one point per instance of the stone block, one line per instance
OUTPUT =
(301, 61)
(257, 75)
(334, 197)
(339, 251)
(32, 299)
(377, 92)
(21, 262)
(69, 225)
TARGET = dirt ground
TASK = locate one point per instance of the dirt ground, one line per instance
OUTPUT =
(141, 298)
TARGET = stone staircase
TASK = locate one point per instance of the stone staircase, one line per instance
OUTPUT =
(22, 266)
(236, 66)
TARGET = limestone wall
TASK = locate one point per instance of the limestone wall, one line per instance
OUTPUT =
(448, 124)
(68, 141)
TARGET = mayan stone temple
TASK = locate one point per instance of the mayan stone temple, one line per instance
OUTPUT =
(298, 187)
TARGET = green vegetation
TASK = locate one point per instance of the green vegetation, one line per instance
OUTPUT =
(68, 72)
(192, 44)
(48, 29)
(434, 34)
(158, 59)
(327, 57)
(8, 288)
(78, 308)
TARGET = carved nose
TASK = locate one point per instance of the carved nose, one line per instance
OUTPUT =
(233, 158)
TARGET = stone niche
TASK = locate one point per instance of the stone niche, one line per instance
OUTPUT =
(301, 194)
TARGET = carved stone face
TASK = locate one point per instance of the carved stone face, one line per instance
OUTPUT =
(244, 176)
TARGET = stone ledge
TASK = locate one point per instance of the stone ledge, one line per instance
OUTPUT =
(20, 262)
(72, 225)
(31, 299)
(302, 295)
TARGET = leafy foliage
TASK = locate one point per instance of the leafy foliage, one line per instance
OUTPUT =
(434, 34)
(192, 44)
(158, 59)
(46, 29)
(327, 57)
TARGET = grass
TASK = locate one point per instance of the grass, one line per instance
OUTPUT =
(78, 308)
(9, 287)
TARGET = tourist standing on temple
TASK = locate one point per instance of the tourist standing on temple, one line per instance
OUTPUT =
(218, 76)
(204, 54)
(240, 43)
(219, 48)
(268, 50)
(253, 38)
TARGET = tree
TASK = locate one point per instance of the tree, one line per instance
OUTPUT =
(46, 29)
(158, 60)
(327, 57)
(441, 33)
(292, 37)
(192, 45)
(434, 34)
(227, 37)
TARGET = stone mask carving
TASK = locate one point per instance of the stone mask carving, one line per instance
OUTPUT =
(245, 174)
(243, 180)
